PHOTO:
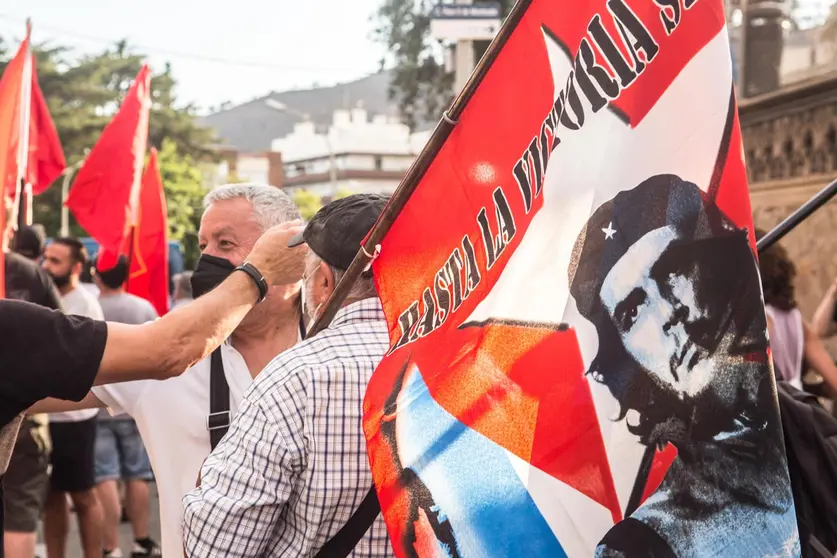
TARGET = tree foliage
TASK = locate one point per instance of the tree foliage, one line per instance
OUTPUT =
(84, 92)
(341, 193)
(308, 203)
(183, 185)
(420, 85)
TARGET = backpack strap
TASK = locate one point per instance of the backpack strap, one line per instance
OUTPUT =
(347, 538)
(218, 421)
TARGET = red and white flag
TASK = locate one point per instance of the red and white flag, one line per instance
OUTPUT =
(579, 355)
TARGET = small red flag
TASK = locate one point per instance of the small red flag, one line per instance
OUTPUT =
(46, 156)
(106, 189)
(148, 276)
(11, 97)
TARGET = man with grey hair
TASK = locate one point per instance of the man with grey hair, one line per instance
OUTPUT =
(293, 468)
(181, 419)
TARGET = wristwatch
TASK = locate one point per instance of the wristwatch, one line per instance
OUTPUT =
(257, 277)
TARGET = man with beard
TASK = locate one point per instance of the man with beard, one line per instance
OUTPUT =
(671, 286)
(173, 416)
(73, 433)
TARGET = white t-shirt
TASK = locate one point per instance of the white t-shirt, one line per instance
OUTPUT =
(91, 288)
(171, 417)
(79, 302)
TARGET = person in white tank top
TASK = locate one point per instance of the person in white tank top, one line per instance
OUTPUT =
(792, 341)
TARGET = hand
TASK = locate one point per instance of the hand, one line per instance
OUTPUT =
(279, 264)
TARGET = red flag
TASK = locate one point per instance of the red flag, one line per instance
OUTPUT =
(105, 191)
(11, 109)
(574, 306)
(46, 156)
(148, 276)
(10, 96)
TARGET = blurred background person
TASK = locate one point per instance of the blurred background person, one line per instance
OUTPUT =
(30, 241)
(182, 289)
(120, 454)
(73, 433)
(793, 342)
(824, 322)
(26, 479)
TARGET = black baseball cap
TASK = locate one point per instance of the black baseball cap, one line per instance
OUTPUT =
(336, 231)
(30, 241)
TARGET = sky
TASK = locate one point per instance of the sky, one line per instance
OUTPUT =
(230, 50)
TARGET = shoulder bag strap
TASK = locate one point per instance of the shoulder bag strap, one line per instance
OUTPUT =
(344, 542)
(218, 421)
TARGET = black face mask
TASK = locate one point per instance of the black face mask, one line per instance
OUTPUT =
(209, 273)
(61, 281)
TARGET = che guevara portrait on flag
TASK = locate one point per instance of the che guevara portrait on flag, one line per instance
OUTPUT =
(672, 288)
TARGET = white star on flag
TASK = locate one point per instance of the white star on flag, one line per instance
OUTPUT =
(609, 231)
(681, 135)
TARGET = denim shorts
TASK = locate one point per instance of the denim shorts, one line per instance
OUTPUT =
(120, 453)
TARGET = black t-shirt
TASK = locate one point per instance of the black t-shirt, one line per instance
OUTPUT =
(45, 353)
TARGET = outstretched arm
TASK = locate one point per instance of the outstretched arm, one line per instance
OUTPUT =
(823, 323)
(818, 358)
(168, 346)
(51, 405)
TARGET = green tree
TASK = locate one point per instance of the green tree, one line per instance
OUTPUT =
(420, 85)
(308, 203)
(182, 182)
(342, 193)
(83, 93)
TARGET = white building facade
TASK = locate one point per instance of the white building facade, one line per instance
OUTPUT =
(356, 154)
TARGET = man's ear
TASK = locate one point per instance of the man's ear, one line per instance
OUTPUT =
(328, 280)
(77, 268)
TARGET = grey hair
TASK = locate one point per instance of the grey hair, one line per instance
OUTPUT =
(363, 288)
(271, 205)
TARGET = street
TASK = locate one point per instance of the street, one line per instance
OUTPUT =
(125, 535)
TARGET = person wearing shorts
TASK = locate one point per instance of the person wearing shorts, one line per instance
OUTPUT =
(26, 479)
(73, 433)
(121, 455)
(73, 462)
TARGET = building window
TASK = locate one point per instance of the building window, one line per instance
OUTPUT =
(379, 162)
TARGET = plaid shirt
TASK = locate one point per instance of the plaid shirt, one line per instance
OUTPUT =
(293, 467)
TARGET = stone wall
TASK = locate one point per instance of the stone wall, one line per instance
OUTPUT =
(790, 145)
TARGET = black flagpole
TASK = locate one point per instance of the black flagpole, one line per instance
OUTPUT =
(130, 256)
(418, 168)
(797, 217)
(23, 210)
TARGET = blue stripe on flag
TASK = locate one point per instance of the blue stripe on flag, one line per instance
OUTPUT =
(471, 479)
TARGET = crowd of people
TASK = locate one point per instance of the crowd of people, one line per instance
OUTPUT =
(251, 432)
(290, 466)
